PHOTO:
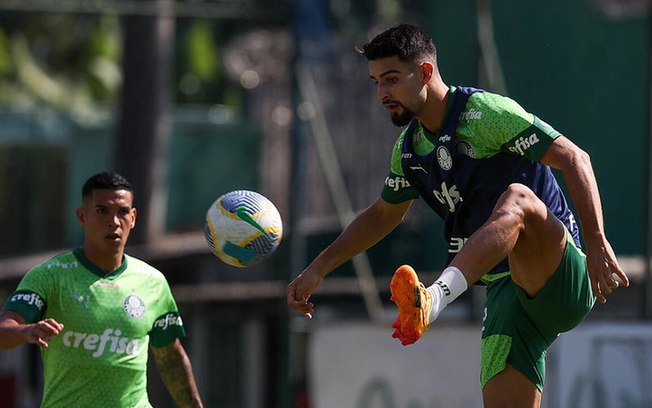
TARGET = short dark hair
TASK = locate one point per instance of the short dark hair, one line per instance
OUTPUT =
(105, 181)
(406, 41)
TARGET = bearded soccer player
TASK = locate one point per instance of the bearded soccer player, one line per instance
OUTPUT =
(483, 164)
(95, 311)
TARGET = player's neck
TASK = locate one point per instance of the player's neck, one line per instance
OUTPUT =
(434, 110)
(107, 262)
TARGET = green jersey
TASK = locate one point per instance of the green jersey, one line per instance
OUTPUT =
(489, 125)
(486, 142)
(100, 357)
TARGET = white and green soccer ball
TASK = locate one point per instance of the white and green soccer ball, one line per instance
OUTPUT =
(243, 228)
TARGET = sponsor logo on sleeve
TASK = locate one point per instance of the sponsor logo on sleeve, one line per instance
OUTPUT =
(170, 319)
(396, 183)
(31, 299)
(523, 143)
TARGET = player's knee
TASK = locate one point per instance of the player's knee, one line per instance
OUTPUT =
(519, 191)
(518, 201)
(520, 196)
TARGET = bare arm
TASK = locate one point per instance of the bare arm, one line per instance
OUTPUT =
(575, 165)
(176, 371)
(14, 331)
(369, 227)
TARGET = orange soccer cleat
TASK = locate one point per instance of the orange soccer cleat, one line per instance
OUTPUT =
(413, 302)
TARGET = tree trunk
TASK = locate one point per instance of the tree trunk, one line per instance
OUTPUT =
(144, 119)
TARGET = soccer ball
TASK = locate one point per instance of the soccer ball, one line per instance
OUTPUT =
(243, 228)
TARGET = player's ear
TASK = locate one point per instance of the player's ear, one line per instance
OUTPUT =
(134, 213)
(427, 70)
(81, 215)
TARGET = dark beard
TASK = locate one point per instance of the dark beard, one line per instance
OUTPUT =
(402, 119)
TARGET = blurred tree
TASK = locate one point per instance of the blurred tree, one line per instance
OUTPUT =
(68, 56)
(67, 61)
(200, 54)
(144, 124)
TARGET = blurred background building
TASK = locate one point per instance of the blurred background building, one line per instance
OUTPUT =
(192, 98)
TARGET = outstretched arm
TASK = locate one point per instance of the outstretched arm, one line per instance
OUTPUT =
(14, 331)
(369, 227)
(575, 165)
(176, 371)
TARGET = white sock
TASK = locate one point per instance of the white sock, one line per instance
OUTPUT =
(447, 288)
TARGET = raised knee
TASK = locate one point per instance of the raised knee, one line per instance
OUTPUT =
(519, 190)
(517, 202)
(519, 196)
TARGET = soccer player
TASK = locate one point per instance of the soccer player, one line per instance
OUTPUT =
(483, 164)
(95, 310)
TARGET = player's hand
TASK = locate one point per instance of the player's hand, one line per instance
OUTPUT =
(41, 332)
(299, 291)
(604, 271)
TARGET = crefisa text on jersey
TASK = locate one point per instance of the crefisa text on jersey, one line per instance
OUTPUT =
(524, 143)
(397, 183)
(29, 298)
(169, 319)
(89, 341)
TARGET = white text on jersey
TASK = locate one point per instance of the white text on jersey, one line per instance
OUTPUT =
(89, 341)
(456, 244)
(524, 143)
(63, 265)
(396, 183)
(170, 319)
(471, 114)
(448, 196)
(29, 298)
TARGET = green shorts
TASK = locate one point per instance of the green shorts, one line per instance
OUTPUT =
(518, 329)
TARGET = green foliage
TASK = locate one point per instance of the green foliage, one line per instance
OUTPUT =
(5, 60)
(202, 51)
(68, 62)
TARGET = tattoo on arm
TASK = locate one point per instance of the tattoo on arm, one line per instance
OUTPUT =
(176, 371)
